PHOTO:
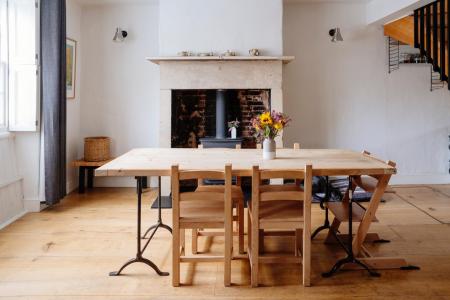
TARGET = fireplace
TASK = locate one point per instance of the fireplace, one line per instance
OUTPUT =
(200, 76)
(201, 116)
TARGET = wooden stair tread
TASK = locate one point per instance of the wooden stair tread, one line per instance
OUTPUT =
(402, 30)
(340, 211)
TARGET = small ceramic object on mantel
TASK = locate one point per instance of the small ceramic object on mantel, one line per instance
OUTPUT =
(204, 54)
(253, 52)
(229, 53)
(184, 53)
(268, 126)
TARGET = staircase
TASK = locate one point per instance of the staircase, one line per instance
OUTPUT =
(427, 30)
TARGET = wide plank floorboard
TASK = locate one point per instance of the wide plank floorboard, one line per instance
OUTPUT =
(66, 253)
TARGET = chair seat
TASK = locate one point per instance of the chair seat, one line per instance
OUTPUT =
(369, 184)
(199, 211)
(236, 191)
(281, 214)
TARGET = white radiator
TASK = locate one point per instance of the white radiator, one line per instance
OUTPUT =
(11, 192)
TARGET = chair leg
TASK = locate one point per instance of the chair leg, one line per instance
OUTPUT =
(241, 213)
(255, 255)
(183, 241)
(298, 242)
(194, 241)
(306, 257)
(249, 233)
(261, 240)
(176, 256)
(227, 254)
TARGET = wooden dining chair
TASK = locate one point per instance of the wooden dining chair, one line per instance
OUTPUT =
(340, 209)
(201, 209)
(278, 209)
(238, 205)
(369, 183)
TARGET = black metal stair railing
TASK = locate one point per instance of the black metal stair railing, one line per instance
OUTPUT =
(432, 37)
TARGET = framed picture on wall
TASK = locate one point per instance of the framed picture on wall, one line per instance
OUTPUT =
(71, 67)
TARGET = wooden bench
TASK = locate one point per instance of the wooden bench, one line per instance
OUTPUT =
(88, 166)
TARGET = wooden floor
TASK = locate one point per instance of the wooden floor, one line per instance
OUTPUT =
(66, 253)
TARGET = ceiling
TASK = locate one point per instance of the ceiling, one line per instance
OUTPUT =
(100, 2)
(317, 1)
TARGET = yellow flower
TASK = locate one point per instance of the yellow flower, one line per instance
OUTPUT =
(265, 118)
(278, 126)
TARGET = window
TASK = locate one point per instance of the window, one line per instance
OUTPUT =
(19, 86)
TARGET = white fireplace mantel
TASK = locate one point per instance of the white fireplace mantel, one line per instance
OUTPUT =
(159, 59)
(209, 72)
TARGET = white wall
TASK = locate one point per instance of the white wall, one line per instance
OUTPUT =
(341, 96)
(74, 139)
(28, 152)
(220, 25)
(383, 11)
(120, 89)
(419, 126)
(11, 193)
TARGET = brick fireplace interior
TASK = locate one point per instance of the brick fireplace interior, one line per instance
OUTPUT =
(194, 114)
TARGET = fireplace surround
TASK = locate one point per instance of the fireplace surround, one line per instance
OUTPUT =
(214, 73)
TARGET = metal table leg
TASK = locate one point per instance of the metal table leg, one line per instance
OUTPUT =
(159, 223)
(90, 177)
(81, 180)
(326, 198)
(140, 251)
(350, 258)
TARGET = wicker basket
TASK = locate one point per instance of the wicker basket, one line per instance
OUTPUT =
(96, 148)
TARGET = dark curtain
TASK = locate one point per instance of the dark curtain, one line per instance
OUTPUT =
(53, 89)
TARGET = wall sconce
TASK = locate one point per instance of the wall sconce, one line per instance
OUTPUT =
(120, 35)
(335, 34)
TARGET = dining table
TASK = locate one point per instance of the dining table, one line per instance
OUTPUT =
(141, 163)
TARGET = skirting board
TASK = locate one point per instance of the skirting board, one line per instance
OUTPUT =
(32, 205)
(71, 186)
(420, 179)
(6, 223)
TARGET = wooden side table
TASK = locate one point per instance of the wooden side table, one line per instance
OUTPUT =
(89, 167)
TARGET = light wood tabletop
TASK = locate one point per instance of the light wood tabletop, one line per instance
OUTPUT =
(158, 161)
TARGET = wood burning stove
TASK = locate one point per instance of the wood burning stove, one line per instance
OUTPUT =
(202, 116)
(220, 140)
